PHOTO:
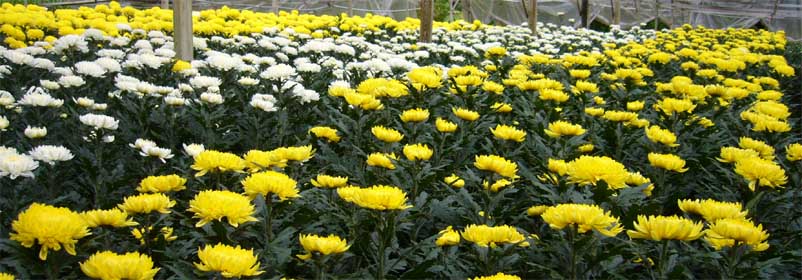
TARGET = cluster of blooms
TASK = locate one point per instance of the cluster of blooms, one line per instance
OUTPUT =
(602, 132)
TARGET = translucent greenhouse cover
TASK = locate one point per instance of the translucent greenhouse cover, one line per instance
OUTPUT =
(773, 14)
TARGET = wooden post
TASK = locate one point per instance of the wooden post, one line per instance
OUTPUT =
(583, 13)
(274, 7)
(617, 12)
(426, 20)
(182, 29)
(350, 7)
(533, 16)
(165, 4)
(467, 13)
(656, 13)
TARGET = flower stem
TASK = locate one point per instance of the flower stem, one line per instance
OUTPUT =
(268, 221)
(571, 234)
(663, 259)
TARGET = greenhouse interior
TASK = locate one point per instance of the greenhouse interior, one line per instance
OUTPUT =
(400, 139)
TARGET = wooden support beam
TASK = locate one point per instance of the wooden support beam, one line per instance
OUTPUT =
(274, 6)
(467, 13)
(165, 4)
(617, 12)
(350, 7)
(182, 29)
(426, 20)
(584, 9)
(533, 16)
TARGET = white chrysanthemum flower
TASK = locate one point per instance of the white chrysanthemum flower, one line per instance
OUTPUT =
(49, 85)
(16, 165)
(223, 62)
(306, 95)
(6, 99)
(42, 63)
(211, 98)
(100, 121)
(264, 102)
(345, 49)
(108, 138)
(17, 57)
(68, 42)
(143, 44)
(140, 144)
(204, 81)
(111, 65)
(71, 81)
(278, 72)
(4, 123)
(165, 52)
(309, 68)
(193, 149)
(151, 60)
(89, 68)
(93, 34)
(34, 132)
(100, 106)
(120, 41)
(248, 81)
(153, 151)
(51, 154)
(37, 97)
(174, 100)
(84, 102)
(111, 53)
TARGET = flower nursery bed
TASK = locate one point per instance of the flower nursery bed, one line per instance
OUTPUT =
(305, 146)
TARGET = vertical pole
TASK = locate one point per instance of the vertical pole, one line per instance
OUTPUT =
(583, 13)
(656, 13)
(533, 16)
(274, 7)
(351, 7)
(182, 29)
(165, 4)
(426, 20)
(617, 12)
(467, 13)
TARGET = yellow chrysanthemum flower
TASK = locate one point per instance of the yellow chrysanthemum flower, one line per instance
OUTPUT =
(671, 106)
(793, 152)
(589, 170)
(215, 161)
(635, 106)
(314, 244)
(501, 107)
(761, 172)
(181, 65)
(733, 154)
(213, 205)
(586, 148)
(497, 185)
(448, 237)
(162, 184)
(766, 152)
(385, 134)
(465, 114)
(585, 216)
(496, 164)
(733, 232)
(108, 265)
(52, 227)
(297, 154)
(270, 182)
(662, 136)
(595, 112)
(712, 210)
(505, 132)
(415, 115)
(382, 160)
(430, 77)
(665, 228)
(619, 116)
(146, 203)
(111, 217)
(445, 126)
(376, 197)
(257, 160)
(536, 210)
(325, 132)
(498, 276)
(6, 276)
(562, 128)
(331, 182)
(230, 261)
(484, 235)
(415, 152)
(669, 162)
(454, 181)
(495, 52)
